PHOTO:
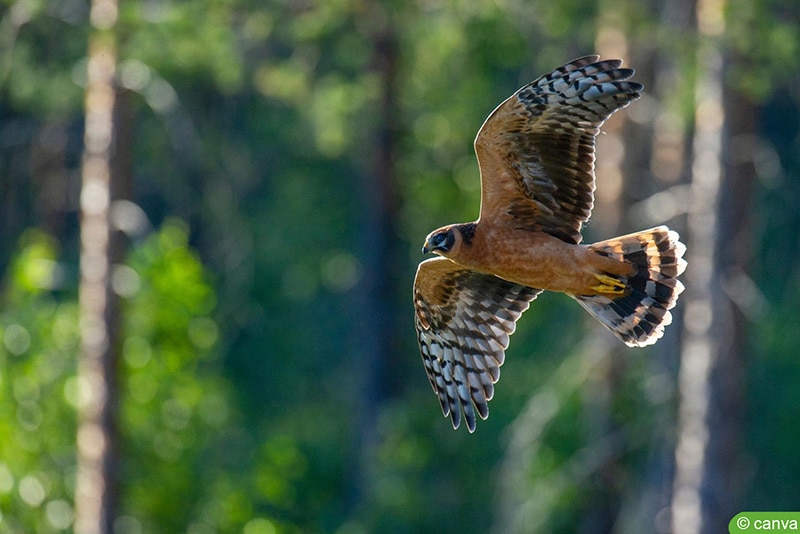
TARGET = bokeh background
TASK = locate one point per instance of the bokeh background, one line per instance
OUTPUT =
(278, 164)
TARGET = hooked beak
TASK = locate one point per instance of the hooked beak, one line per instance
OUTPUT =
(425, 248)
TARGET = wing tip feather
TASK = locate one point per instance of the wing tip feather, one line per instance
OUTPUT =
(462, 360)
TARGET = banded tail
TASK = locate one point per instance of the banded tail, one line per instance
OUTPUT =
(639, 315)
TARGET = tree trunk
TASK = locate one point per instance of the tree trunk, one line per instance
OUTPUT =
(723, 477)
(706, 457)
(657, 181)
(375, 306)
(95, 493)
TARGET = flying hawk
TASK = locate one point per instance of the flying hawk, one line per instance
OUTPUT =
(536, 159)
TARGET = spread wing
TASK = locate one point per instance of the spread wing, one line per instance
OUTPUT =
(463, 320)
(536, 150)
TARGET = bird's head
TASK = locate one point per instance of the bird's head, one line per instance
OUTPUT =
(442, 241)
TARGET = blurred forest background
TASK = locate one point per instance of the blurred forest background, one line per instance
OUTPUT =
(275, 167)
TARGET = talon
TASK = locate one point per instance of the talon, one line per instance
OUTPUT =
(609, 285)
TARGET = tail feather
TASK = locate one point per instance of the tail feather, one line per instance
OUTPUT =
(639, 315)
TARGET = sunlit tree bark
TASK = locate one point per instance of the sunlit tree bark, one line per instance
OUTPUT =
(95, 494)
(734, 304)
(656, 181)
(710, 381)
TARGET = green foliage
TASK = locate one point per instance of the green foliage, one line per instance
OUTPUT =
(774, 372)
(197, 38)
(37, 393)
(174, 402)
(260, 123)
(42, 50)
(176, 414)
(765, 35)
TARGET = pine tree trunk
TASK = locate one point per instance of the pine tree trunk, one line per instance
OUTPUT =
(375, 307)
(723, 477)
(706, 481)
(95, 493)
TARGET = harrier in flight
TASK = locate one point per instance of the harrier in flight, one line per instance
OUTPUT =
(536, 159)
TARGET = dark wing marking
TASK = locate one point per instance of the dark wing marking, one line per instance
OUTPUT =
(463, 320)
(536, 150)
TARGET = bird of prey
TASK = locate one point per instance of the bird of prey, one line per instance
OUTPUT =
(536, 157)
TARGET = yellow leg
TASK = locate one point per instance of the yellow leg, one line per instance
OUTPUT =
(609, 285)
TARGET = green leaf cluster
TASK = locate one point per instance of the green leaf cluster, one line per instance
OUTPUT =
(244, 402)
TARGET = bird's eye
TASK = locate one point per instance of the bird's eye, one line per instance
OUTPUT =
(441, 241)
(445, 240)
